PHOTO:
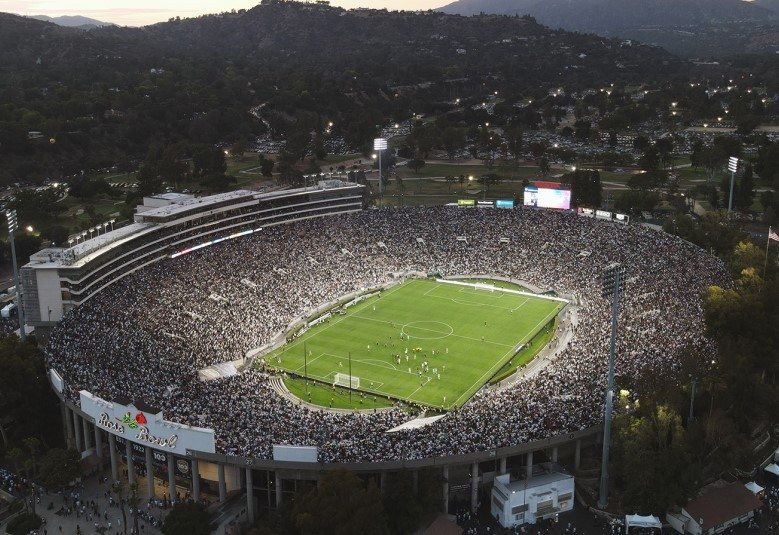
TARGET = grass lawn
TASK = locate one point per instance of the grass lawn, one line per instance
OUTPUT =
(464, 334)
(327, 396)
(506, 172)
(528, 353)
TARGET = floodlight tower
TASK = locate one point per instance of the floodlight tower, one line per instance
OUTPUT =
(380, 145)
(732, 167)
(612, 281)
(13, 225)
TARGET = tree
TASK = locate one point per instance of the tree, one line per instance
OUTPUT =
(515, 141)
(59, 467)
(650, 160)
(450, 179)
(26, 399)
(654, 466)
(634, 201)
(744, 193)
(57, 234)
(36, 207)
(118, 490)
(341, 504)
(453, 140)
(208, 160)
(543, 166)
(767, 165)
(648, 180)
(239, 147)
(488, 180)
(415, 164)
(586, 188)
(188, 518)
(133, 502)
(266, 166)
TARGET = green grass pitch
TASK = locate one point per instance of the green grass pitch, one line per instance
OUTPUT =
(464, 334)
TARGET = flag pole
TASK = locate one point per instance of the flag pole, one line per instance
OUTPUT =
(767, 244)
(305, 365)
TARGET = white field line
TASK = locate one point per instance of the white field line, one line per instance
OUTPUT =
(437, 332)
(500, 361)
(482, 291)
(352, 312)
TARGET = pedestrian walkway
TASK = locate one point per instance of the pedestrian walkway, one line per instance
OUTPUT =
(90, 508)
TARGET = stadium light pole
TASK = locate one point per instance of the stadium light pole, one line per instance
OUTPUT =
(380, 145)
(612, 281)
(732, 167)
(13, 225)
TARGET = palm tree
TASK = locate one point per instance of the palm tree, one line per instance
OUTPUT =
(118, 489)
(449, 182)
(134, 502)
(34, 447)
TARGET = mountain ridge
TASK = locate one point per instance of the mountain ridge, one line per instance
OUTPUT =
(72, 21)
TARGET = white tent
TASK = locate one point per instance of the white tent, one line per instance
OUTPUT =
(638, 521)
(754, 488)
(772, 469)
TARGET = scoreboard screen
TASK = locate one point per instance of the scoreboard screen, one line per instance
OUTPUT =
(547, 198)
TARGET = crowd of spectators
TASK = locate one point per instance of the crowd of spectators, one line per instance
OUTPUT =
(147, 335)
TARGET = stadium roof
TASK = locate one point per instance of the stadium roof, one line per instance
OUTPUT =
(720, 505)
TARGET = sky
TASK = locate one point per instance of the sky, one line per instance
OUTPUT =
(140, 12)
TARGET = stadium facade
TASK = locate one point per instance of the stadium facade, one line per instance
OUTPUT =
(58, 279)
(125, 432)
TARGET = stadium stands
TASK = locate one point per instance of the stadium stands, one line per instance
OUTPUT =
(149, 333)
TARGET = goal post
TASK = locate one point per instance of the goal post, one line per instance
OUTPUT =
(346, 380)
(484, 286)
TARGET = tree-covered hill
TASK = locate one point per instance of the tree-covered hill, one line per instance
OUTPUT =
(106, 95)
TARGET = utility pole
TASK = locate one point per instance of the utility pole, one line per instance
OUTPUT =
(612, 281)
(13, 225)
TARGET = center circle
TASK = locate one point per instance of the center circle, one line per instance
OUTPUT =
(427, 330)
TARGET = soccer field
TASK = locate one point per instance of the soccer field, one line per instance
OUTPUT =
(422, 342)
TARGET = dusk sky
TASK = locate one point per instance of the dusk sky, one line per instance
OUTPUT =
(140, 12)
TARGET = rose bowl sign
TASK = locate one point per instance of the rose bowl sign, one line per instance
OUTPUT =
(146, 429)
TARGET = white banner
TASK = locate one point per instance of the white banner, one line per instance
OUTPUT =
(146, 429)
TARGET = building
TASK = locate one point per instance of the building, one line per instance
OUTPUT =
(548, 492)
(134, 439)
(58, 279)
(716, 510)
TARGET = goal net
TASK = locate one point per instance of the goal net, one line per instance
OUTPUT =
(344, 379)
(483, 286)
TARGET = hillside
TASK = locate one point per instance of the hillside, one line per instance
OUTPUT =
(611, 15)
(114, 92)
(664, 22)
(72, 21)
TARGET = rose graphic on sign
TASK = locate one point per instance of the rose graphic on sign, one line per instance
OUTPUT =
(133, 423)
(129, 421)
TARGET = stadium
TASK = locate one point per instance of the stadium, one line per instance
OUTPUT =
(246, 342)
